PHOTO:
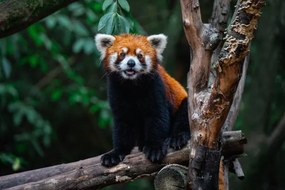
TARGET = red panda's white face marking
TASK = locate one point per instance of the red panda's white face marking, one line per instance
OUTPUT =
(130, 55)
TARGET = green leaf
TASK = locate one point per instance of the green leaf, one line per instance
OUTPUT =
(96, 6)
(8, 89)
(34, 60)
(106, 23)
(104, 119)
(8, 158)
(18, 112)
(78, 46)
(6, 67)
(56, 94)
(106, 4)
(94, 108)
(34, 31)
(89, 47)
(65, 22)
(80, 29)
(123, 24)
(77, 9)
(113, 8)
(50, 22)
(124, 5)
(16, 164)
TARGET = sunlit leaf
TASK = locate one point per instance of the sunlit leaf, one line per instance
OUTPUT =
(16, 164)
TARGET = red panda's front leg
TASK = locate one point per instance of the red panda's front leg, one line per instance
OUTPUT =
(123, 141)
(157, 129)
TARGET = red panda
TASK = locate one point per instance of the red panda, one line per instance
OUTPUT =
(148, 105)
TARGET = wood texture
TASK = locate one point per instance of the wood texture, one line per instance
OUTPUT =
(171, 177)
(90, 173)
(210, 100)
(16, 15)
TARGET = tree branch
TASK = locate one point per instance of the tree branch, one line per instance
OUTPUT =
(220, 15)
(194, 29)
(90, 173)
(228, 67)
(209, 103)
(219, 18)
(17, 15)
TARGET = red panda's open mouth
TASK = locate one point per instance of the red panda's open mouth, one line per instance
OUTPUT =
(130, 72)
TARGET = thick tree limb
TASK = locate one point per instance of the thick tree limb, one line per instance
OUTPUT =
(17, 15)
(209, 106)
(234, 110)
(90, 173)
(194, 28)
(228, 126)
(228, 70)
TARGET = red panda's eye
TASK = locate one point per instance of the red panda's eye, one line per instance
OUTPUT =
(122, 55)
(140, 56)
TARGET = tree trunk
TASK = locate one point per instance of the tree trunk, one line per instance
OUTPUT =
(210, 100)
(17, 15)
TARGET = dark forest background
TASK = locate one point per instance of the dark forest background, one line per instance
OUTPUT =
(53, 106)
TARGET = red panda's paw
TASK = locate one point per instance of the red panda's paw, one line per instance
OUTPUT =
(179, 141)
(112, 158)
(156, 154)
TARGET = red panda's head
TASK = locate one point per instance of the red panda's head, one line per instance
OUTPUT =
(130, 55)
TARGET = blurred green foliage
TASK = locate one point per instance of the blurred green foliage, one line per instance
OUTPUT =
(51, 80)
(46, 64)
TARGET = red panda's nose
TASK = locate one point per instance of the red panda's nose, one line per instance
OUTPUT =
(131, 63)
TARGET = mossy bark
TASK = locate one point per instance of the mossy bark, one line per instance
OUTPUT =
(17, 15)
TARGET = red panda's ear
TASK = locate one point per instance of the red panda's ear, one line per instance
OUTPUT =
(158, 41)
(103, 41)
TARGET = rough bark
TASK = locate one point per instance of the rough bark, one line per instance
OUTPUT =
(16, 15)
(90, 173)
(209, 103)
(171, 177)
(228, 126)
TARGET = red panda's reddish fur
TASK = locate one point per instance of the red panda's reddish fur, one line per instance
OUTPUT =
(132, 42)
(174, 91)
